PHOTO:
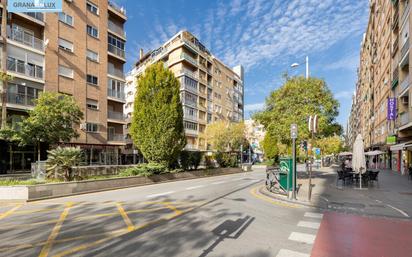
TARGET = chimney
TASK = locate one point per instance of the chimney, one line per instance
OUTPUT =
(141, 53)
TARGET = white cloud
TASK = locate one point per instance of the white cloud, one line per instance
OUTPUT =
(349, 62)
(345, 95)
(254, 107)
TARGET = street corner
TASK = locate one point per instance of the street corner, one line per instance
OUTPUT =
(261, 193)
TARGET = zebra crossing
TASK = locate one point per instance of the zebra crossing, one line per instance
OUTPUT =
(310, 223)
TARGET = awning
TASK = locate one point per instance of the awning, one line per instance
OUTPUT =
(345, 154)
(372, 153)
(397, 147)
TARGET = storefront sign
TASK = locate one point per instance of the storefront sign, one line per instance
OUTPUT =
(34, 6)
(391, 109)
(391, 140)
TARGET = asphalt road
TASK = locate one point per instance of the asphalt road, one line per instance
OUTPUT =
(215, 216)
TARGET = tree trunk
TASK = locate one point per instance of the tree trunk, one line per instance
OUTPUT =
(38, 151)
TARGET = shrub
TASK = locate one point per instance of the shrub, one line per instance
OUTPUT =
(145, 169)
(190, 160)
(60, 162)
(209, 163)
(226, 159)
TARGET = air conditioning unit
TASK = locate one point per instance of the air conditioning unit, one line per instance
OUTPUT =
(83, 126)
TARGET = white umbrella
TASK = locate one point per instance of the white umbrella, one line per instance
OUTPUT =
(358, 158)
(345, 154)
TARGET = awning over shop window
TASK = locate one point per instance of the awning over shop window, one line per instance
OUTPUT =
(397, 147)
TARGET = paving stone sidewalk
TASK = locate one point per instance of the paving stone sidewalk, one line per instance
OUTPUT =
(391, 196)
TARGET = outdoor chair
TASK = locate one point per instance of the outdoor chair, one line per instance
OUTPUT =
(373, 176)
(365, 178)
(340, 177)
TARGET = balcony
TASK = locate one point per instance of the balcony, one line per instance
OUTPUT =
(404, 54)
(117, 8)
(116, 29)
(395, 46)
(404, 84)
(36, 15)
(191, 132)
(116, 116)
(405, 14)
(404, 118)
(115, 137)
(20, 67)
(115, 72)
(188, 73)
(190, 147)
(188, 58)
(189, 88)
(116, 94)
(25, 38)
(116, 51)
(190, 117)
(20, 99)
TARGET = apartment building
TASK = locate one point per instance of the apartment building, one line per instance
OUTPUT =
(383, 75)
(78, 52)
(210, 90)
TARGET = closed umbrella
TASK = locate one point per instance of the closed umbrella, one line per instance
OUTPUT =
(358, 158)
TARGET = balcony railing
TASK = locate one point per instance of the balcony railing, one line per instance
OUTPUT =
(25, 69)
(190, 103)
(116, 94)
(117, 7)
(405, 48)
(190, 147)
(405, 13)
(25, 38)
(115, 137)
(188, 58)
(37, 15)
(191, 131)
(116, 50)
(115, 72)
(190, 117)
(189, 73)
(116, 28)
(116, 115)
(405, 83)
(20, 99)
(404, 118)
(189, 88)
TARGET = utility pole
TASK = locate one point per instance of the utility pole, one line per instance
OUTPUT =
(294, 135)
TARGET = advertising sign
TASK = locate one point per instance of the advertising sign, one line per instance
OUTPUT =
(391, 109)
(34, 6)
(391, 140)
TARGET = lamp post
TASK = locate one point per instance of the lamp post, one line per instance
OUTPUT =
(294, 65)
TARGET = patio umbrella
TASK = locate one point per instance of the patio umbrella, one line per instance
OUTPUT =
(345, 154)
(358, 158)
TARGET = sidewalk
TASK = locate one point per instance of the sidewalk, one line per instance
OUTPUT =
(391, 196)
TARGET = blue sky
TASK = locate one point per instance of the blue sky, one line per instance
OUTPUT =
(264, 36)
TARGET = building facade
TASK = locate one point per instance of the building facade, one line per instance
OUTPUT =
(210, 90)
(78, 52)
(383, 75)
(255, 133)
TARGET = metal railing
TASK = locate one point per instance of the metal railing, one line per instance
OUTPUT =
(115, 72)
(189, 73)
(116, 115)
(115, 28)
(405, 13)
(188, 58)
(37, 15)
(116, 94)
(25, 69)
(189, 88)
(115, 137)
(405, 48)
(21, 99)
(116, 50)
(25, 38)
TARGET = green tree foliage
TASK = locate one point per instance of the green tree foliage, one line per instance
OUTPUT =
(329, 145)
(60, 162)
(270, 147)
(52, 120)
(226, 136)
(294, 102)
(190, 160)
(157, 121)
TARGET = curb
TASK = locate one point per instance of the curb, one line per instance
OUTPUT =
(265, 192)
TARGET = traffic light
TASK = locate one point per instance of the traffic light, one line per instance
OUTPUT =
(305, 145)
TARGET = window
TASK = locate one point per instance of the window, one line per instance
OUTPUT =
(190, 99)
(65, 45)
(65, 71)
(92, 8)
(190, 112)
(92, 104)
(190, 83)
(92, 79)
(65, 18)
(92, 31)
(91, 55)
(190, 125)
(92, 127)
(115, 41)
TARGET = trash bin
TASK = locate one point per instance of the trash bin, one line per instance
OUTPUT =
(286, 170)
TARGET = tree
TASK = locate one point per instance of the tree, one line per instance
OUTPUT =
(294, 102)
(270, 147)
(329, 145)
(157, 121)
(51, 121)
(60, 162)
(224, 136)
(4, 78)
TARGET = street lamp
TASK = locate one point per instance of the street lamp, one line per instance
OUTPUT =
(294, 65)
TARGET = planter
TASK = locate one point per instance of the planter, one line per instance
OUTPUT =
(52, 190)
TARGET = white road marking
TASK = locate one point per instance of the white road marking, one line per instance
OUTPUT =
(302, 237)
(313, 215)
(219, 182)
(399, 210)
(289, 253)
(195, 187)
(309, 224)
(236, 179)
(160, 194)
